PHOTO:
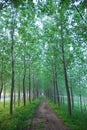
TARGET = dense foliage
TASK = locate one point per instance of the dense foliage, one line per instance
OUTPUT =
(41, 42)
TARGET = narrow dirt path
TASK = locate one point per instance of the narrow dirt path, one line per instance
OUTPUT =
(46, 119)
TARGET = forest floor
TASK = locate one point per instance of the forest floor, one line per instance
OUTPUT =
(45, 119)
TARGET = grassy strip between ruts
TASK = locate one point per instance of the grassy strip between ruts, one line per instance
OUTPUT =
(78, 120)
(17, 121)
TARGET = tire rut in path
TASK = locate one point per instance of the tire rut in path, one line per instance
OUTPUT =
(46, 119)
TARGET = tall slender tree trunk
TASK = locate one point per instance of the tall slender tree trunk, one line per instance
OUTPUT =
(19, 92)
(80, 98)
(33, 86)
(24, 92)
(13, 20)
(4, 94)
(84, 104)
(2, 78)
(65, 71)
(50, 86)
(12, 66)
(27, 94)
(63, 98)
(29, 84)
(56, 84)
(72, 97)
(66, 82)
(37, 91)
(14, 98)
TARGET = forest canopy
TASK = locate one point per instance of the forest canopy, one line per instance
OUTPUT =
(43, 49)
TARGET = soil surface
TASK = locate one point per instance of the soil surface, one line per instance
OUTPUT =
(45, 119)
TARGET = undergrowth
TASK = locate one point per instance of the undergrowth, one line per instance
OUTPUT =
(78, 120)
(18, 120)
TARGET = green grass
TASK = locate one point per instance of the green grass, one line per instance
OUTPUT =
(78, 120)
(17, 121)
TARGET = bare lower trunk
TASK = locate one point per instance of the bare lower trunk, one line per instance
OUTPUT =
(4, 95)
(65, 71)
(66, 83)
(80, 98)
(33, 87)
(19, 92)
(14, 98)
(37, 92)
(27, 94)
(29, 85)
(12, 57)
(12, 80)
(62, 99)
(72, 98)
(56, 84)
(24, 93)
(1, 79)
(54, 91)
(19, 97)
(84, 104)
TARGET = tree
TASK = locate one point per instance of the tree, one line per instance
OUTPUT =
(12, 58)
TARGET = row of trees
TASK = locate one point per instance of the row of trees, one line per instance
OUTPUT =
(72, 50)
(43, 50)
